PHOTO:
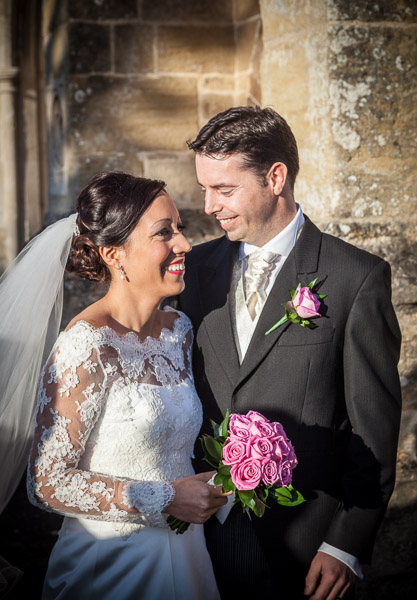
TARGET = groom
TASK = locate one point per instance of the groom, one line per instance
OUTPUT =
(334, 388)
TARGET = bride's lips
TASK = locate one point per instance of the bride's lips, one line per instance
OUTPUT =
(175, 268)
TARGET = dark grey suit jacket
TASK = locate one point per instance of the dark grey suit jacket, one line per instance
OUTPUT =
(335, 388)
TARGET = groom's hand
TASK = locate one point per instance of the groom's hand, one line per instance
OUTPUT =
(195, 501)
(328, 578)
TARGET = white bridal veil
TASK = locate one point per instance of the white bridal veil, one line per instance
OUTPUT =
(31, 294)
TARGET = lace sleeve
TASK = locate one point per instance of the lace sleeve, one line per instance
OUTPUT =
(71, 397)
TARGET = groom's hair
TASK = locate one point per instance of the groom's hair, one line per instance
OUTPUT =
(260, 135)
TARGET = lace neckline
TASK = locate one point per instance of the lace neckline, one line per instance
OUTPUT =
(165, 331)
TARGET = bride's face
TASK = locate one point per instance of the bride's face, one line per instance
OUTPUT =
(153, 258)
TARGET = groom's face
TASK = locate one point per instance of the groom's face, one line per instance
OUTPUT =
(244, 206)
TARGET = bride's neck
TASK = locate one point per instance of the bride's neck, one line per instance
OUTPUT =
(139, 314)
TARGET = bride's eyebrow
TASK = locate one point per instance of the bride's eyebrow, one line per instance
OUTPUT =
(161, 222)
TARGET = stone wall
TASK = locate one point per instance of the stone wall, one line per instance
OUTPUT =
(138, 79)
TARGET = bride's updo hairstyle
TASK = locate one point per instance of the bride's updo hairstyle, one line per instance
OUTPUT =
(108, 208)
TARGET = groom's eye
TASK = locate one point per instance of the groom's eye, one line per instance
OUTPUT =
(226, 191)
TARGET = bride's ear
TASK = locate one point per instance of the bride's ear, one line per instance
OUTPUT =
(110, 255)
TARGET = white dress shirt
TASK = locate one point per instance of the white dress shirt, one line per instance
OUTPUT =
(281, 244)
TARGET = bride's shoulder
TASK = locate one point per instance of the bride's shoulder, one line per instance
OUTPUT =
(92, 317)
(174, 318)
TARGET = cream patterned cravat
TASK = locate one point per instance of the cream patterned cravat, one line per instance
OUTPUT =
(260, 264)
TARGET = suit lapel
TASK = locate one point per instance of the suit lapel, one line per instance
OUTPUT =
(214, 286)
(303, 260)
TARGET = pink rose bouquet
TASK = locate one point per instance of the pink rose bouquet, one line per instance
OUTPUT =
(254, 458)
(303, 306)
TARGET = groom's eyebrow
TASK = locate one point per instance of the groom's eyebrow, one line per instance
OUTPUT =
(218, 185)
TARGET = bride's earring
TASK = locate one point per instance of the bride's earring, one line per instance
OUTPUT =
(122, 272)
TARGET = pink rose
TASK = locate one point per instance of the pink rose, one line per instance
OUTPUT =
(278, 430)
(305, 303)
(239, 427)
(247, 474)
(270, 473)
(262, 448)
(262, 429)
(233, 452)
(285, 474)
(252, 415)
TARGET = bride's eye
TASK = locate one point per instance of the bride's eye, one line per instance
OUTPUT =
(163, 232)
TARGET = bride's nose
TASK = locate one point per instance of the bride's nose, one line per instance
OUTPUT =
(181, 245)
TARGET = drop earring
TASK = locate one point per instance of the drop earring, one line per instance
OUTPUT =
(122, 272)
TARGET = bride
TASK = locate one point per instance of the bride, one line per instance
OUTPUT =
(117, 412)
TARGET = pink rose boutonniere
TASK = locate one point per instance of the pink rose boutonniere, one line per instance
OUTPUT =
(254, 458)
(303, 306)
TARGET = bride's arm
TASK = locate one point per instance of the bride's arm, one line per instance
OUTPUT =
(71, 396)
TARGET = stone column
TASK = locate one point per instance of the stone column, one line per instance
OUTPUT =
(9, 239)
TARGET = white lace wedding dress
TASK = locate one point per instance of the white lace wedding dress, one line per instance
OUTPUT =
(121, 427)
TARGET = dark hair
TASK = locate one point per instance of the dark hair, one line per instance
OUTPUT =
(262, 136)
(108, 208)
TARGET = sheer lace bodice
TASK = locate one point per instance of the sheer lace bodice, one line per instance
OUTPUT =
(116, 422)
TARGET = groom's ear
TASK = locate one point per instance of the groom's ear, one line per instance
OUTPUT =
(277, 176)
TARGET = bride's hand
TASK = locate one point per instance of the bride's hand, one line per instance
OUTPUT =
(195, 501)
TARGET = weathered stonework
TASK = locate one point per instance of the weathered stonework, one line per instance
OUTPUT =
(195, 49)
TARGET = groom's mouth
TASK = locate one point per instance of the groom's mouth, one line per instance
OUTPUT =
(227, 222)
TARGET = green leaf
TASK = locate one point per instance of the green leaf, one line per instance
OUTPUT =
(225, 469)
(219, 479)
(223, 428)
(228, 485)
(246, 496)
(283, 320)
(288, 496)
(259, 507)
(216, 428)
(212, 447)
(312, 283)
(211, 455)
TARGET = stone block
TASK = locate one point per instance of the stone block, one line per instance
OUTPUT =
(280, 17)
(126, 114)
(247, 38)
(373, 86)
(178, 171)
(217, 83)
(245, 9)
(372, 192)
(89, 48)
(196, 49)
(211, 104)
(103, 9)
(184, 10)
(133, 48)
(369, 10)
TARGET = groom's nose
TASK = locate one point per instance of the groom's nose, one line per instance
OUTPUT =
(211, 204)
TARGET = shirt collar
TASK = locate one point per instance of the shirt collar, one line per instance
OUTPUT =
(282, 243)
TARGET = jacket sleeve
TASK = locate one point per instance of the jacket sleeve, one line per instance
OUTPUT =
(373, 400)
